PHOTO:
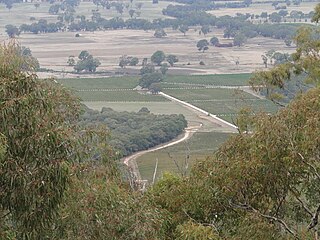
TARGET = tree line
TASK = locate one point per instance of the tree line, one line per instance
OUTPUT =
(239, 24)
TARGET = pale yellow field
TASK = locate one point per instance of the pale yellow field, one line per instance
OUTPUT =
(53, 50)
(305, 7)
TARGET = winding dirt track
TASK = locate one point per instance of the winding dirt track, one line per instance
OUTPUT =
(130, 162)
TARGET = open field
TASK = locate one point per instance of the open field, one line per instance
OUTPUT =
(53, 50)
(21, 13)
(193, 117)
(101, 83)
(305, 7)
(225, 103)
(206, 94)
(197, 148)
(119, 96)
(113, 92)
(217, 79)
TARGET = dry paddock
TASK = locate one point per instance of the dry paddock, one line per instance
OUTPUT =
(53, 49)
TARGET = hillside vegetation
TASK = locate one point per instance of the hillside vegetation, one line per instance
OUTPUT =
(59, 180)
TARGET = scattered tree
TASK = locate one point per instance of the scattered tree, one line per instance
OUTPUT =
(214, 41)
(203, 45)
(158, 57)
(86, 62)
(12, 31)
(164, 68)
(183, 29)
(160, 33)
(71, 61)
(172, 59)
(131, 12)
(239, 40)
(205, 29)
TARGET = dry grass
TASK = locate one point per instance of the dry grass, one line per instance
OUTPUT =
(305, 7)
(52, 50)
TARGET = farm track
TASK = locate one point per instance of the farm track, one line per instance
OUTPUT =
(130, 161)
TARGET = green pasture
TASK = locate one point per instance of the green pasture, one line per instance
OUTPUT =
(101, 83)
(240, 79)
(208, 94)
(119, 96)
(224, 103)
(168, 107)
(233, 106)
(198, 147)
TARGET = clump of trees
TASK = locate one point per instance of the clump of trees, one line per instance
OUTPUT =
(203, 45)
(132, 132)
(86, 62)
(12, 31)
(150, 77)
(128, 60)
(160, 33)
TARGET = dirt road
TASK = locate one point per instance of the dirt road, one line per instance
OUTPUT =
(130, 162)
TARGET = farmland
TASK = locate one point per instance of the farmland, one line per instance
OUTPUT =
(174, 158)
(118, 94)
(211, 86)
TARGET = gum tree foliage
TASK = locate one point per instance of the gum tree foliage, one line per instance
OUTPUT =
(86, 62)
(158, 57)
(203, 45)
(214, 41)
(172, 59)
(184, 29)
(36, 118)
(239, 39)
(164, 68)
(135, 131)
(147, 79)
(160, 33)
(12, 31)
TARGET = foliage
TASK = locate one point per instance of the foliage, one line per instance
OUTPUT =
(99, 206)
(279, 155)
(149, 68)
(160, 33)
(12, 31)
(155, 88)
(86, 62)
(239, 39)
(183, 29)
(172, 59)
(36, 118)
(158, 57)
(149, 78)
(214, 41)
(164, 68)
(194, 231)
(203, 45)
(71, 61)
(133, 132)
(205, 29)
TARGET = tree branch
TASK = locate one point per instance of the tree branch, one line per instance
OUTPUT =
(314, 220)
(252, 209)
(301, 202)
(310, 165)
